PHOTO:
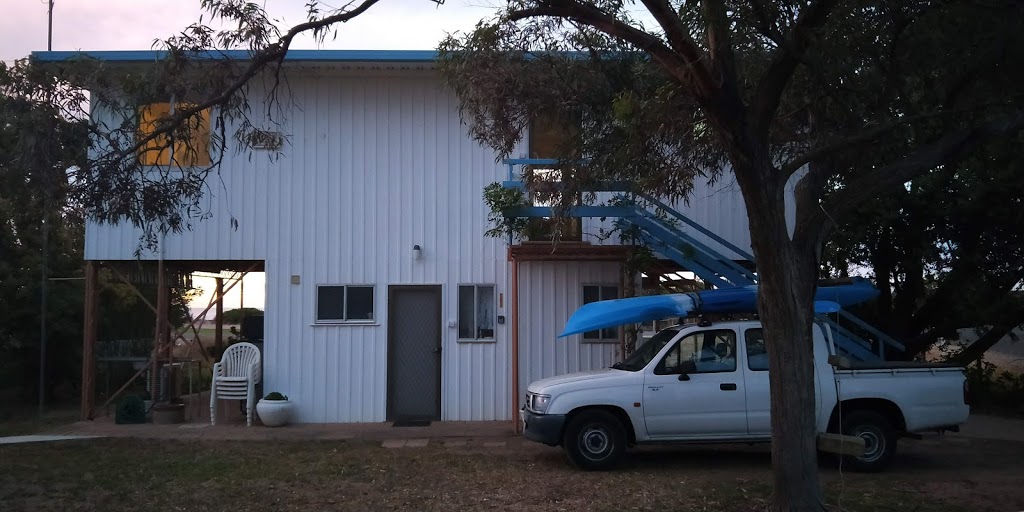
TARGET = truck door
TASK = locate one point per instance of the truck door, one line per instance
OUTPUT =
(755, 377)
(709, 401)
(758, 389)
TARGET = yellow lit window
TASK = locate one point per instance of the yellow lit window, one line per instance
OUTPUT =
(158, 152)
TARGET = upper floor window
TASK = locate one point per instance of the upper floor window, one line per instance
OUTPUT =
(195, 151)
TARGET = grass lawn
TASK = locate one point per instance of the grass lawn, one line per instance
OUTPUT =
(127, 474)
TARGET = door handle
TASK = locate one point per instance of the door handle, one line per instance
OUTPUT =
(727, 386)
(437, 350)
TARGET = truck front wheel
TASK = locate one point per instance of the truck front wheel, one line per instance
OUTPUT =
(594, 440)
(879, 440)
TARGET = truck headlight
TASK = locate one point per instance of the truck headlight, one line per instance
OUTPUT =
(539, 403)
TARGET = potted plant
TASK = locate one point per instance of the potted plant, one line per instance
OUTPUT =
(274, 409)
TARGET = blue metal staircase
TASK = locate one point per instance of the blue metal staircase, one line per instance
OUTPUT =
(661, 230)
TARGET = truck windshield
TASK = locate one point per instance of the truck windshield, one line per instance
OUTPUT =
(647, 351)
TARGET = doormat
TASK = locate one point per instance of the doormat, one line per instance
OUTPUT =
(411, 422)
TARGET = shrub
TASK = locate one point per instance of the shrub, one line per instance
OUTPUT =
(276, 396)
(130, 409)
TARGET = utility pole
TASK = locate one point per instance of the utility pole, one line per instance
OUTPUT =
(46, 254)
(49, 28)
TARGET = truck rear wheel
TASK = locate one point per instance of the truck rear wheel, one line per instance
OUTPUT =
(594, 440)
(879, 439)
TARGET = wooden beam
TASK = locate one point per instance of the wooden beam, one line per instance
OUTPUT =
(840, 444)
(517, 424)
(89, 344)
(162, 297)
(218, 337)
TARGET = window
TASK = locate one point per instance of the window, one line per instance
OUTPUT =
(594, 293)
(757, 354)
(336, 304)
(550, 139)
(709, 351)
(476, 312)
(195, 152)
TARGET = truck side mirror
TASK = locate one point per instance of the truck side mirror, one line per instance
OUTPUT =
(686, 368)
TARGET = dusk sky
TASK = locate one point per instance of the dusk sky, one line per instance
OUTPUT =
(134, 24)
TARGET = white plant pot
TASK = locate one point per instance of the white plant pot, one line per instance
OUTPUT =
(274, 413)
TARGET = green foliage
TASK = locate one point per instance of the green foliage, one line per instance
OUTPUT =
(235, 316)
(130, 410)
(499, 200)
(990, 389)
(275, 396)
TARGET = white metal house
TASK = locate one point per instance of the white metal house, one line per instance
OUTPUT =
(384, 298)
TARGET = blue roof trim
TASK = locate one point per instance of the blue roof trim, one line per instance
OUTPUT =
(292, 55)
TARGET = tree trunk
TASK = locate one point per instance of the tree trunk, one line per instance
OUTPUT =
(788, 274)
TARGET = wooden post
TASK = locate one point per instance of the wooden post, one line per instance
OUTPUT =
(517, 424)
(218, 337)
(89, 343)
(162, 296)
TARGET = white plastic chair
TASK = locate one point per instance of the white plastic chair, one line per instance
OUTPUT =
(235, 378)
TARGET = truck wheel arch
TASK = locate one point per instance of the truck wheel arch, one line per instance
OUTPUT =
(885, 407)
(617, 411)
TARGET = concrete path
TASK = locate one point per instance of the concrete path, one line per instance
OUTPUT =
(41, 438)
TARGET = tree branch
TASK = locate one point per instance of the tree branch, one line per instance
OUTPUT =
(857, 139)
(681, 41)
(764, 25)
(784, 63)
(590, 15)
(873, 183)
(720, 42)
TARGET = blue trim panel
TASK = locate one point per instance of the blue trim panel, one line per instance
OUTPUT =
(292, 55)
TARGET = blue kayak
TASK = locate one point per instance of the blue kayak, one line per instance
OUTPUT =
(743, 299)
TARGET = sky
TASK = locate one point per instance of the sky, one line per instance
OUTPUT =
(135, 24)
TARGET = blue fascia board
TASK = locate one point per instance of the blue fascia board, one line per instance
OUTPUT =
(291, 56)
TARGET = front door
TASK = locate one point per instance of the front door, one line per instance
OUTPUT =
(710, 403)
(414, 352)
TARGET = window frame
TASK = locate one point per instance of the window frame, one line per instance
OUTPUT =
(600, 295)
(675, 346)
(458, 312)
(345, 321)
(204, 159)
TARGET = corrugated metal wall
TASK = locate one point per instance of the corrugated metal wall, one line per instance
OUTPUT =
(376, 162)
(549, 292)
(385, 165)
(375, 165)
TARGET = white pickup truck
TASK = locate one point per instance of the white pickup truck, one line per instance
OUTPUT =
(708, 383)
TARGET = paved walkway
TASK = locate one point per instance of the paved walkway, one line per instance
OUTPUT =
(472, 432)
(40, 438)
